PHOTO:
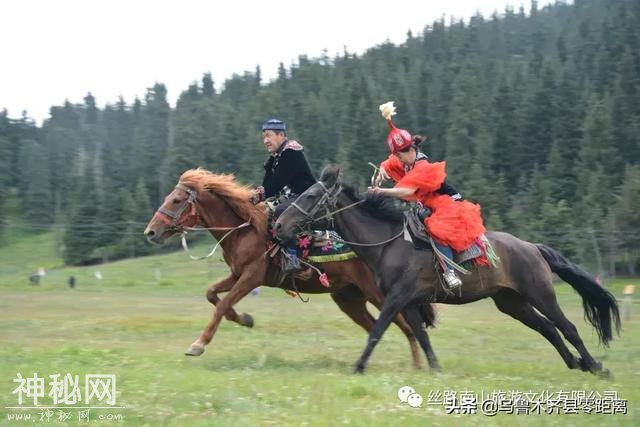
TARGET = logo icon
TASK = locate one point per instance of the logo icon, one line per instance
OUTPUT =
(408, 395)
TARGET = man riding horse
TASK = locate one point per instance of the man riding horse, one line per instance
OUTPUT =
(287, 175)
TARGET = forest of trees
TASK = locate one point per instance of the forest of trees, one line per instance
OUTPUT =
(537, 113)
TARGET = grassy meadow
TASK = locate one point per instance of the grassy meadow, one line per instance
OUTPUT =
(292, 368)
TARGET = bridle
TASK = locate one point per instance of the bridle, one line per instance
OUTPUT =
(328, 202)
(172, 218)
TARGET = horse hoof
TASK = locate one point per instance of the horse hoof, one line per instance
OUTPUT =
(596, 368)
(358, 369)
(194, 350)
(246, 320)
(604, 374)
(584, 367)
(435, 368)
(574, 364)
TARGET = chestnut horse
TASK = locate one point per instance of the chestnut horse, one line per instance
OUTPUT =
(218, 203)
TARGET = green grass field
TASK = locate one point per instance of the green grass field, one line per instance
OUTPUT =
(292, 368)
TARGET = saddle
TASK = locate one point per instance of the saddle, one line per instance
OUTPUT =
(416, 233)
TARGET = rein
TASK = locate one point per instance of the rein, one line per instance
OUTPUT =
(231, 230)
(328, 201)
(374, 244)
(329, 214)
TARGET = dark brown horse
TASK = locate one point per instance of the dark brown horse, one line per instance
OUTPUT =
(218, 202)
(520, 285)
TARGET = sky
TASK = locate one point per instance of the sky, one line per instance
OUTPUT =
(53, 50)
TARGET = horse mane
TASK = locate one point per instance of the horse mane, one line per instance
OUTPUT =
(235, 194)
(378, 205)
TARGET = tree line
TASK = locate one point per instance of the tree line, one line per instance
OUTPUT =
(537, 113)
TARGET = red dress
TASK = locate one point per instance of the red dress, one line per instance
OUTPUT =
(454, 223)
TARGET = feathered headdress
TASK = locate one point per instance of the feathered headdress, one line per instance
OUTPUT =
(397, 139)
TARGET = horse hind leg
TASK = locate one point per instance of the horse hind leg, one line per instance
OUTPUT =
(415, 319)
(516, 306)
(408, 332)
(548, 305)
(354, 306)
(360, 276)
(225, 285)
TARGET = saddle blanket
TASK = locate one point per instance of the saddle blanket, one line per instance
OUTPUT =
(323, 246)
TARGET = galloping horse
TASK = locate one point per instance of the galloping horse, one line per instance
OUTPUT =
(220, 204)
(521, 282)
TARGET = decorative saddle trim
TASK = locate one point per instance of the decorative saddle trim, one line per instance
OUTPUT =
(324, 246)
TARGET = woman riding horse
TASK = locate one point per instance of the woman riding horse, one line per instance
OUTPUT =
(454, 222)
(521, 284)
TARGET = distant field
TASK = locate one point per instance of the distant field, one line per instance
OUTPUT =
(292, 368)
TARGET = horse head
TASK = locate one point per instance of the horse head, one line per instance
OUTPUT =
(203, 198)
(311, 208)
(176, 212)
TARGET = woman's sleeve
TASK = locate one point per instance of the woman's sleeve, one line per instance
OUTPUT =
(393, 167)
(425, 177)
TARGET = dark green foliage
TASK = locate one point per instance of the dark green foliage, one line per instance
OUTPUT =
(38, 198)
(536, 112)
(5, 154)
(136, 211)
(82, 227)
(627, 217)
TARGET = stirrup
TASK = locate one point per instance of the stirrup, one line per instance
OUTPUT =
(451, 279)
(290, 263)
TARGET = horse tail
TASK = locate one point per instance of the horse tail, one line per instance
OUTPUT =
(598, 303)
(428, 314)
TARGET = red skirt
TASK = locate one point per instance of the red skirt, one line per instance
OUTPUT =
(455, 224)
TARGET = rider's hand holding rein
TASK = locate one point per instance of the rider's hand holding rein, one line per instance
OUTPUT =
(257, 195)
(392, 192)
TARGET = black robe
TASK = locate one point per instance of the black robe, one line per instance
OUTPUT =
(288, 167)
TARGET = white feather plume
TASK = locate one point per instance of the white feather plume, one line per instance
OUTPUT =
(388, 110)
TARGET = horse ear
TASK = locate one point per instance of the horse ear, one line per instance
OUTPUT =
(330, 175)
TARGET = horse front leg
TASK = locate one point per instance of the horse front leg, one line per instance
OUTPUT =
(375, 297)
(244, 319)
(246, 282)
(362, 277)
(396, 300)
